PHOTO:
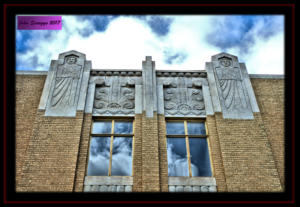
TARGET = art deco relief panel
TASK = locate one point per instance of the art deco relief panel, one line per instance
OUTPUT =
(115, 93)
(230, 86)
(66, 85)
(182, 94)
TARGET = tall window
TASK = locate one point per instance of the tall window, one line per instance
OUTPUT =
(187, 149)
(110, 151)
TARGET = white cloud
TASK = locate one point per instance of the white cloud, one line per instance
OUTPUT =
(267, 57)
(127, 40)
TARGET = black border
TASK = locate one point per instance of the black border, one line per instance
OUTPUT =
(9, 103)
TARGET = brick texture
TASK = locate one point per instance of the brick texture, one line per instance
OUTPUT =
(247, 155)
(28, 92)
(83, 153)
(50, 160)
(216, 154)
(150, 154)
(163, 162)
(270, 97)
(137, 154)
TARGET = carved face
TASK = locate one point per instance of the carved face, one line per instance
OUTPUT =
(71, 60)
(226, 62)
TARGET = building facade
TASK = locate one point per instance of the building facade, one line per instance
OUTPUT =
(80, 129)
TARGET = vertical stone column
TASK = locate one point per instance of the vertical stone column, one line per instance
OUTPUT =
(51, 158)
(150, 147)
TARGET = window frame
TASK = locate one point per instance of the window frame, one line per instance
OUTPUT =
(111, 135)
(187, 137)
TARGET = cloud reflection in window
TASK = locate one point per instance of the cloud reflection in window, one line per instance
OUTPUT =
(177, 158)
(122, 156)
(99, 156)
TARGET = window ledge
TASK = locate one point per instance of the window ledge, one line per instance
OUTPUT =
(108, 184)
(192, 184)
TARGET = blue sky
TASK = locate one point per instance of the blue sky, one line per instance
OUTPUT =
(183, 42)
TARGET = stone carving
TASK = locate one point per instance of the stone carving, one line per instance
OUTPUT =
(182, 97)
(230, 82)
(115, 95)
(66, 83)
(192, 188)
(230, 86)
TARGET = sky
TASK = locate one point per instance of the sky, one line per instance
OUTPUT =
(182, 42)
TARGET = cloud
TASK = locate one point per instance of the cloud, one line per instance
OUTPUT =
(172, 57)
(174, 42)
(177, 162)
(241, 32)
(100, 153)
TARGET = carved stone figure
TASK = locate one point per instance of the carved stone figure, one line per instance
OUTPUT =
(231, 86)
(66, 83)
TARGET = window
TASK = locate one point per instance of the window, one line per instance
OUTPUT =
(187, 149)
(110, 151)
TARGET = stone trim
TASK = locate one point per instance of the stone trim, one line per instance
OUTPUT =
(192, 184)
(192, 181)
(108, 184)
(266, 76)
(96, 72)
(116, 72)
(31, 72)
(188, 74)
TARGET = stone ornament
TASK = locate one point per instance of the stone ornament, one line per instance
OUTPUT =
(230, 87)
(108, 188)
(193, 188)
(182, 97)
(230, 82)
(66, 85)
(115, 95)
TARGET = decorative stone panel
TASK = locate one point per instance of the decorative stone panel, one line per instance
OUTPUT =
(192, 184)
(66, 85)
(230, 86)
(182, 95)
(108, 184)
(114, 93)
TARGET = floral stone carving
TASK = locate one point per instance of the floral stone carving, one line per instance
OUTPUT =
(115, 95)
(182, 97)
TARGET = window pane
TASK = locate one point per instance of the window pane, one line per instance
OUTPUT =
(103, 127)
(123, 127)
(99, 156)
(122, 156)
(196, 128)
(200, 162)
(177, 158)
(175, 128)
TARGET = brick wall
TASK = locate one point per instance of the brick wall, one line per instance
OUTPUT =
(83, 153)
(270, 97)
(50, 160)
(216, 154)
(150, 154)
(247, 155)
(137, 154)
(163, 162)
(28, 92)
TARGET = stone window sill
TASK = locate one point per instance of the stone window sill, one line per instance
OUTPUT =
(192, 184)
(108, 184)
